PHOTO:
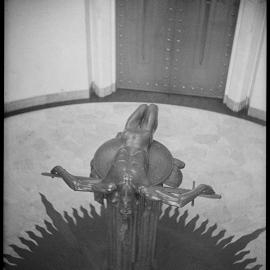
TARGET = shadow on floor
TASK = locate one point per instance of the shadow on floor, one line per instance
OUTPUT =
(81, 245)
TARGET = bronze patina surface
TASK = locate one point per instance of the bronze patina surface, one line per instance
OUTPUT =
(160, 160)
(129, 172)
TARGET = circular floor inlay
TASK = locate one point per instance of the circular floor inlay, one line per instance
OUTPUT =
(225, 152)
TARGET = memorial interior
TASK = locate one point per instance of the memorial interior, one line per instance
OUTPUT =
(225, 152)
(75, 71)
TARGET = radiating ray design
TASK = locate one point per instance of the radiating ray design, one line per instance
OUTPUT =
(202, 248)
(81, 244)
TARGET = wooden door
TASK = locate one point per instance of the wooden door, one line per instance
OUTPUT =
(175, 46)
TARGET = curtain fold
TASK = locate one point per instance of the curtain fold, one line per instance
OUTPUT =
(243, 69)
(100, 30)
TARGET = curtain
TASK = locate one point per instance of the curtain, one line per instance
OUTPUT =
(100, 31)
(246, 54)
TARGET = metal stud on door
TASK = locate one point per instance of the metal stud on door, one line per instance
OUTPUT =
(175, 46)
(204, 31)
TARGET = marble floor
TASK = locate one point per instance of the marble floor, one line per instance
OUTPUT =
(226, 152)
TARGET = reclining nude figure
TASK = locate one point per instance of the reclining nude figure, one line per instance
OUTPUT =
(132, 165)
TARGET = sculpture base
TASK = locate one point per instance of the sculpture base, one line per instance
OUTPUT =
(132, 238)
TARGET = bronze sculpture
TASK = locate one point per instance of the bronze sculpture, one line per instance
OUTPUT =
(129, 172)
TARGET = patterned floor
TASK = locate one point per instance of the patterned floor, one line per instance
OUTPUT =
(225, 152)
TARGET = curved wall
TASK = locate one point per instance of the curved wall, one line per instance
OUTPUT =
(45, 48)
(56, 50)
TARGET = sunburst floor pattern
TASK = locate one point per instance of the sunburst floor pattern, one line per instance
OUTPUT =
(225, 152)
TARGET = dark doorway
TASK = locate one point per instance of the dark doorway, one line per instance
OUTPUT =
(175, 46)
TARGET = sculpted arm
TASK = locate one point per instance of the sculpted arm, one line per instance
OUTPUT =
(77, 183)
(178, 197)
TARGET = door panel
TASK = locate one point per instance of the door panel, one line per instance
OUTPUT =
(141, 31)
(175, 46)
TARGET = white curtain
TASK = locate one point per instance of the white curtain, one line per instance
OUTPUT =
(100, 30)
(247, 52)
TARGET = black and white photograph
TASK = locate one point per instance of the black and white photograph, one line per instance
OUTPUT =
(134, 135)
